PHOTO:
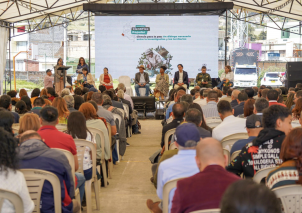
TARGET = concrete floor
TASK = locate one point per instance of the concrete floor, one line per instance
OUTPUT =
(130, 185)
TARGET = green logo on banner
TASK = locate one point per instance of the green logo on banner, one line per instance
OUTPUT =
(140, 29)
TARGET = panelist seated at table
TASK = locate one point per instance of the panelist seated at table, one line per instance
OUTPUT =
(86, 78)
(142, 81)
(162, 84)
(106, 79)
(181, 78)
(204, 79)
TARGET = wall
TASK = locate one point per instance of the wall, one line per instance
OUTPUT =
(31, 65)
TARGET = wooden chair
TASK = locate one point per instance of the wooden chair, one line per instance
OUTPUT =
(81, 146)
(166, 191)
(12, 197)
(35, 180)
(291, 197)
(262, 173)
(231, 139)
(167, 135)
(70, 159)
(96, 132)
(235, 154)
(207, 211)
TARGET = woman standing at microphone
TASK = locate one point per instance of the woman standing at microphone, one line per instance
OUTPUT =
(59, 77)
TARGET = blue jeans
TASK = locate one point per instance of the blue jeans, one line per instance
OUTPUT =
(137, 89)
(220, 85)
(81, 184)
(88, 174)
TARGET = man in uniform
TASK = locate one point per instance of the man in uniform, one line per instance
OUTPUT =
(204, 79)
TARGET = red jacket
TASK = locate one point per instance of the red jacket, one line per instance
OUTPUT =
(275, 103)
(203, 190)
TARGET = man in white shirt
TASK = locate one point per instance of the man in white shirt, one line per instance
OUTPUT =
(210, 110)
(227, 93)
(181, 78)
(230, 124)
(202, 101)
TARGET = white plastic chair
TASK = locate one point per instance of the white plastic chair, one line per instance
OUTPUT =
(110, 142)
(35, 180)
(12, 197)
(126, 109)
(291, 197)
(213, 121)
(207, 211)
(142, 92)
(235, 154)
(231, 139)
(96, 132)
(166, 191)
(166, 139)
(61, 127)
(116, 116)
(262, 173)
(70, 159)
(172, 146)
(81, 146)
(227, 153)
(127, 82)
(16, 127)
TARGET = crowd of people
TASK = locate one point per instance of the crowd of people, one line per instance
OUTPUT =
(206, 180)
(29, 135)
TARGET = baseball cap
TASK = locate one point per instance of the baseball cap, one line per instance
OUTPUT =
(48, 70)
(187, 132)
(253, 121)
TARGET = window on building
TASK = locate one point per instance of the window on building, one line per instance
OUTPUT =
(86, 37)
(21, 46)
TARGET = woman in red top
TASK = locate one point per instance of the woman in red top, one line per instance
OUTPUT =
(106, 79)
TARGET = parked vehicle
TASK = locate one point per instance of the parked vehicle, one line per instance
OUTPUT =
(245, 76)
(271, 79)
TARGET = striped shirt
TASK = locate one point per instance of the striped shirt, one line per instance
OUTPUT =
(210, 110)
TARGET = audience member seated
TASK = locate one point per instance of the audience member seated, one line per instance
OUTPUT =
(96, 110)
(289, 172)
(247, 196)
(234, 98)
(78, 91)
(212, 178)
(210, 110)
(260, 105)
(37, 106)
(21, 108)
(6, 121)
(56, 139)
(203, 124)
(172, 95)
(93, 121)
(253, 127)
(78, 101)
(297, 95)
(27, 101)
(239, 109)
(29, 121)
(230, 124)
(10, 178)
(121, 95)
(22, 92)
(272, 97)
(64, 92)
(85, 90)
(60, 104)
(277, 123)
(178, 113)
(264, 93)
(51, 93)
(248, 108)
(178, 95)
(142, 81)
(35, 154)
(76, 127)
(111, 94)
(5, 102)
(180, 165)
(34, 94)
(107, 104)
(69, 99)
(227, 94)
(255, 92)
(181, 78)
(127, 97)
(195, 116)
(297, 109)
(250, 92)
(43, 92)
(102, 112)
(203, 94)
(13, 95)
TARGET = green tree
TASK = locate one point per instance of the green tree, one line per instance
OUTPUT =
(262, 35)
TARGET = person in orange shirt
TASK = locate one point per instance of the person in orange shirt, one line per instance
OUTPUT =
(34, 94)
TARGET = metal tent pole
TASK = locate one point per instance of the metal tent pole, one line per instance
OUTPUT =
(89, 41)
(9, 67)
(226, 38)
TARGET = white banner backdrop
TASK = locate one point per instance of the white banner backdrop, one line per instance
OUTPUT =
(125, 42)
(4, 34)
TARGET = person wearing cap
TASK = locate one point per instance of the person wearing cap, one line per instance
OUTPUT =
(142, 81)
(179, 166)
(264, 150)
(253, 127)
(48, 80)
(205, 189)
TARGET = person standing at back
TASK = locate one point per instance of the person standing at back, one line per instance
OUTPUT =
(142, 81)
(48, 79)
(230, 124)
(213, 179)
(181, 78)
(264, 150)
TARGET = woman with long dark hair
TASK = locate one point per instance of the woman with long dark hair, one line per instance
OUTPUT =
(203, 124)
(81, 65)
(76, 127)
(27, 101)
(248, 107)
(21, 108)
(34, 94)
(63, 111)
(59, 77)
(10, 178)
(290, 171)
(6, 121)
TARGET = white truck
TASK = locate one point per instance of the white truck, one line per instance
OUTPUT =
(245, 76)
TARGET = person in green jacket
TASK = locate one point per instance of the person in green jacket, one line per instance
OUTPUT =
(204, 79)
